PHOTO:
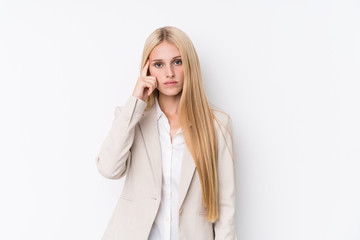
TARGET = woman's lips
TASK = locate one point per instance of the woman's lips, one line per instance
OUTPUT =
(170, 83)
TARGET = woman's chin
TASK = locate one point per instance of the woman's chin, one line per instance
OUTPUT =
(171, 93)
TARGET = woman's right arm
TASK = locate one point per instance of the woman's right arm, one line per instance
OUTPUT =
(115, 150)
(115, 153)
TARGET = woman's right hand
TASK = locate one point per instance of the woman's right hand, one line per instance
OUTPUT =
(145, 85)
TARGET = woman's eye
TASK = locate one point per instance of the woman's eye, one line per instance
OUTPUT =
(178, 62)
(157, 64)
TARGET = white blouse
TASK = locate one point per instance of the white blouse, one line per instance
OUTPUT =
(166, 222)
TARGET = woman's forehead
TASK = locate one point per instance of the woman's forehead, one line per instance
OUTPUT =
(165, 51)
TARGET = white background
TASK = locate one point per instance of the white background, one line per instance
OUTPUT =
(287, 72)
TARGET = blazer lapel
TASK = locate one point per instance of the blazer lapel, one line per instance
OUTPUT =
(187, 171)
(149, 130)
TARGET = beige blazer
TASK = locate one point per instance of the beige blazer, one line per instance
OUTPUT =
(132, 148)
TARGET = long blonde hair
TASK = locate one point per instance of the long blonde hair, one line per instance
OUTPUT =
(196, 117)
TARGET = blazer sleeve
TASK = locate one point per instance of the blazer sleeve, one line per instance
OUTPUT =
(115, 149)
(224, 227)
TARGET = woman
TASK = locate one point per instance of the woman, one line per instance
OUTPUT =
(174, 148)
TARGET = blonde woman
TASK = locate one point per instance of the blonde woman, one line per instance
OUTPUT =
(174, 148)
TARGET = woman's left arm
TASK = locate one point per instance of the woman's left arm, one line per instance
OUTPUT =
(224, 227)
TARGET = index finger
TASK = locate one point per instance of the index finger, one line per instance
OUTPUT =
(145, 69)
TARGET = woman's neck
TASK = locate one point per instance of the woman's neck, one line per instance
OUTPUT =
(169, 104)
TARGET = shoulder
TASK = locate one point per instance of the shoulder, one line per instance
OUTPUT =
(221, 118)
(223, 127)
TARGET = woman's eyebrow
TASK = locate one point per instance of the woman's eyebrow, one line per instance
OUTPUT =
(162, 60)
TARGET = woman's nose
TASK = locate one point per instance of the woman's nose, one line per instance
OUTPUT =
(169, 72)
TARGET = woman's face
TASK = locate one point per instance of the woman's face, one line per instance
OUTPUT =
(166, 66)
